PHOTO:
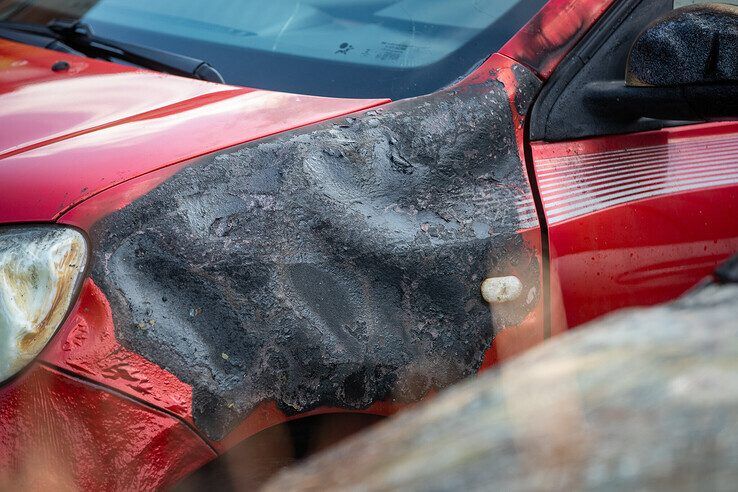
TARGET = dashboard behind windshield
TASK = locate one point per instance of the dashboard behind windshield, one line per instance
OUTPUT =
(340, 48)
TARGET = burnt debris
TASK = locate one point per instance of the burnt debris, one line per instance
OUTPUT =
(337, 265)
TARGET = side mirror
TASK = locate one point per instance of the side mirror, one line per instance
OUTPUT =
(683, 66)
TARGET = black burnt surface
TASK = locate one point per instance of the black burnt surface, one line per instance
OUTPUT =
(694, 44)
(727, 273)
(337, 265)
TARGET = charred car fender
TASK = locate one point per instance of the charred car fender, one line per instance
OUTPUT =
(334, 266)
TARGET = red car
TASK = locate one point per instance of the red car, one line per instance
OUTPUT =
(186, 264)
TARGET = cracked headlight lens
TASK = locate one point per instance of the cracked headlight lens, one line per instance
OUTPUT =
(41, 268)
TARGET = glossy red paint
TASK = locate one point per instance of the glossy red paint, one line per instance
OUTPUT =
(109, 127)
(44, 106)
(60, 433)
(553, 32)
(638, 219)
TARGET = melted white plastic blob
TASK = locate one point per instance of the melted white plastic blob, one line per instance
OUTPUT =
(40, 268)
(501, 289)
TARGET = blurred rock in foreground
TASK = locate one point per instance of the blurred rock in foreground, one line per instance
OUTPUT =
(643, 399)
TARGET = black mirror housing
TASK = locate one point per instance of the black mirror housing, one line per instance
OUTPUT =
(683, 67)
(712, 102)
(690, 46)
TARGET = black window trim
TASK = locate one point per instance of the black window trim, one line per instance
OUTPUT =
(573, 63)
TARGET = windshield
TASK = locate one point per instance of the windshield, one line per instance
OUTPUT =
(342, 48)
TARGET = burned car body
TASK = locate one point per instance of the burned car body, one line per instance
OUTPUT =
(258, 257)
(337, 266)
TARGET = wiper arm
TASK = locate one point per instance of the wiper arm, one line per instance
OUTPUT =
(75, 35)
(35, 36)
(80, 36)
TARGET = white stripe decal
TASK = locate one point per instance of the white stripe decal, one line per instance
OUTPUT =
(635, 162)
(576, 185)
(641, 179)
(600, 156)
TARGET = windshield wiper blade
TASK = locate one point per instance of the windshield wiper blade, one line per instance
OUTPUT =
(72, 35)
(79, 35)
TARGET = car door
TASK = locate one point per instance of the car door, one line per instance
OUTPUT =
(637, 210)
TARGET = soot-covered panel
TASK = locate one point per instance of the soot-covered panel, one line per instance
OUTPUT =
(337, 265)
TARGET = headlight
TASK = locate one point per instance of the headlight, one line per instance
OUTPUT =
(40, 271)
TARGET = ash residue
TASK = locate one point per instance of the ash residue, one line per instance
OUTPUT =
(527, 85)
(337, 265)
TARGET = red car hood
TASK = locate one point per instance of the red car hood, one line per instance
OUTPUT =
(67, 135)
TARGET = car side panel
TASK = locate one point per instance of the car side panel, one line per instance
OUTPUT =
(58, 432)
(638, 219)
(508, 217)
